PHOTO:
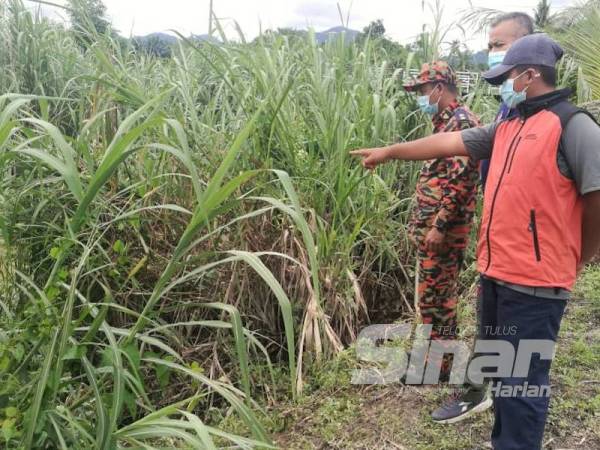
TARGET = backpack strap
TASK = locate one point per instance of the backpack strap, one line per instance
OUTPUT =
(565, 112)
(462, 118)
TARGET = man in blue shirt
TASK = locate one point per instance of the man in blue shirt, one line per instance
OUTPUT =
(504, 30)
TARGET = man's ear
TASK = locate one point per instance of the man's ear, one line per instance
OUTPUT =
(441, 89)
(535, 74)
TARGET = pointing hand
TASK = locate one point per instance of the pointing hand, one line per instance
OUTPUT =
(372, 157)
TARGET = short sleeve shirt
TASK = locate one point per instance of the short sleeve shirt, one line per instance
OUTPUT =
(579, 160)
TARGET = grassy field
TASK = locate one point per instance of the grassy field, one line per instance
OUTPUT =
(188, 252)
(338, 415)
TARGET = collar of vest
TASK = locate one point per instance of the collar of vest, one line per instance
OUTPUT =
(534, 105)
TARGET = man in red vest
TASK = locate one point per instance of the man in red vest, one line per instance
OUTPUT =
(540, 222)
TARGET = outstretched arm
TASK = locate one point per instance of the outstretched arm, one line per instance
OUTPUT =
(435, 146)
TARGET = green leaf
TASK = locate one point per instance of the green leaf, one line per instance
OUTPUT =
(133, 355)
(107, 358)
(119, 247)
(52, 292)
(63, 274)
(4, 363)
(129, 401)
(18, 352)
(74, 352)
(11, 411)
(163, 374)
(8, 429)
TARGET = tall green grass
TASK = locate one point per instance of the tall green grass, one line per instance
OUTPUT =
(176, 231)
(181, 238)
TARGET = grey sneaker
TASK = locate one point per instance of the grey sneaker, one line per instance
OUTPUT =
(462, 404)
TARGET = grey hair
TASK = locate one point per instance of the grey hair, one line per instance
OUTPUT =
(523, 20)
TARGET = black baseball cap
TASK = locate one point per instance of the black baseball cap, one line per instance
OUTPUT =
(536, 49)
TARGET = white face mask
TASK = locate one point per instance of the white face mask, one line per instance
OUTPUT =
(510, 97)
(495, 58)
(425, 105)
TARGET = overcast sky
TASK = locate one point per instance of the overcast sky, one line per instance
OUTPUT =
(403, 19)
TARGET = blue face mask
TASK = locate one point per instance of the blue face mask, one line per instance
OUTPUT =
(426, 107)
(495, 58)
(508, 94)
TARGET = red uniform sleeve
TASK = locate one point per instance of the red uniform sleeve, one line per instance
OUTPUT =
(457, 189)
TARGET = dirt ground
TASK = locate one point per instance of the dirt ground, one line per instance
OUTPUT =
(339, 415)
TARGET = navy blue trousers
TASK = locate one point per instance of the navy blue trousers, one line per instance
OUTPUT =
(509, 315)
